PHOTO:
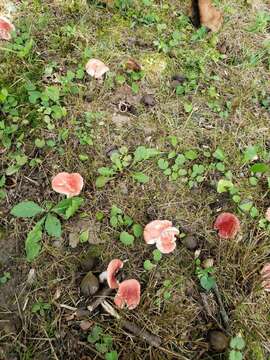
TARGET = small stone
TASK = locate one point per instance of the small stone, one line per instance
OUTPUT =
(85, 325)
(73, 240)
(88, 263)
(89, 285)
(218, 340)
(148, 100)
(190, 242)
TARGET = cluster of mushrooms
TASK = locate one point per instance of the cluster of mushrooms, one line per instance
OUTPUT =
(161, 233)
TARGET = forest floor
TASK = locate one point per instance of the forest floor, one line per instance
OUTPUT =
(185, 152)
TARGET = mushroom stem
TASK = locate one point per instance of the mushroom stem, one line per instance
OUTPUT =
(103, 276)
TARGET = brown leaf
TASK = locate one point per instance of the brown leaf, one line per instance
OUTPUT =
(133, 65)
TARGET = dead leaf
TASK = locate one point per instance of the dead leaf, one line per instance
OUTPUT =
(133, 65)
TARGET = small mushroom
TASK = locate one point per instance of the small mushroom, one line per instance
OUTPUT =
(153, 230)
(110, 274)
(167, 241)
(218, 340)
(227, 225)
(89, 285)
(68, 184)
(128, 294)
(96, 68)
(6, 27)
(161, 233)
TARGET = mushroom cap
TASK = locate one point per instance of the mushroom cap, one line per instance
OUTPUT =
(227, 225)
(6, 27)
(153, 230)
(267, 214)
(265, 272)
(167, 241)
(67, 184)
(129, 293)
(96, 68)
(112, 270)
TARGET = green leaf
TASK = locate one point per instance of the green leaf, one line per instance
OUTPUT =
(95, 334)
(84, 236)
(191, 154)
(253, 181)
(116, 211)
(237, 343)
(254, 212)
(53, 93)
(53, 226)
(140, 177)
(224, 185)
(163, 164)
(32, 242)
(219, 154)
(235, 355)
(111, 355)
(135, 88)
(250, 154)
(157, 255)
(143, 153)
(137, 230)
(220, 166)
(126, 238)
(101, 181)
(2, 181)
(33, 96)
(105, 171)
(260, 168)
(26, 209)
(101, 347)
(207, 282)
(188, 107)
(246, 205)
(40, 143)
(67, 207)
(148, 266)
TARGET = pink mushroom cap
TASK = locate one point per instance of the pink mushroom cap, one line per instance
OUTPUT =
(167, 241)
(227, 225)
(6, 27)
(67, 184)
(153, 230)
(267, 214)
(129, 294)
(114, 266)
(96, 68)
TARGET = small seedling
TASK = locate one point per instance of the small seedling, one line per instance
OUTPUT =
(207, 281)
(50, 222)
(5, 278)
(40, 307)
(237, 345)
(103, 343)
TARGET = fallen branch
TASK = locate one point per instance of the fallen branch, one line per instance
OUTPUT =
(133, 328)
(223, 312)
(101, 295)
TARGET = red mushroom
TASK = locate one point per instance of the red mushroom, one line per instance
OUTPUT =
(129, 293)
(227, 225)
(96, 68)
(114, 266)
(167, 241)
(67, 184)
(153, 230)
(6, 27)
(265, 272)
